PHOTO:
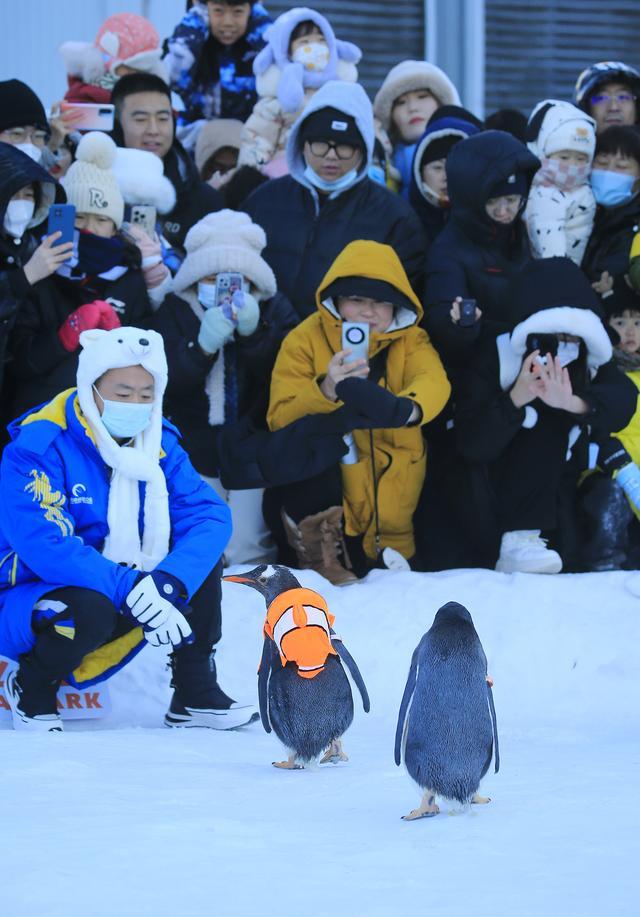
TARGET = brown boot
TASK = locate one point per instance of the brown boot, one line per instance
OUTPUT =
(318, 541)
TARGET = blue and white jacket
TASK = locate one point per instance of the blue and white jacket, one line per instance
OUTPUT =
(54, 492)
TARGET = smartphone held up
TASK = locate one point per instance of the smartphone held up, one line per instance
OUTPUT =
(355, 337)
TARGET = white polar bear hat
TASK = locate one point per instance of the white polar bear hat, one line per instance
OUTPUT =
(115, 349)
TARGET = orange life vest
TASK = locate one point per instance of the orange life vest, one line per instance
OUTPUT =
(299, 623)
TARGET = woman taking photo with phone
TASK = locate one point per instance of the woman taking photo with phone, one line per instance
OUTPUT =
(358, 515)
(222, 327)
(97, 282)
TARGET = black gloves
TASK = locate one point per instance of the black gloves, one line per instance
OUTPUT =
(373, 405)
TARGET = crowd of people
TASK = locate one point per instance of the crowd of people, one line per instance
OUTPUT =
(495, 267)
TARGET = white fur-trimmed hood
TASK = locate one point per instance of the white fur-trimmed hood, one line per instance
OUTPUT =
(583, 323)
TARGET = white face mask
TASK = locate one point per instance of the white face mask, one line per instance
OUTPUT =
(207, 295)
(17, 217)
(33, 151)
(568, 351)
(313, 56)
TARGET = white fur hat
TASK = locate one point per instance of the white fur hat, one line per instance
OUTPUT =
(226, 241)
(90, 184)
(410, 75)
(141, 178)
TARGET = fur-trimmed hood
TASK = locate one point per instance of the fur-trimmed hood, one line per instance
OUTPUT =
(274, 64)
(141, 179)
(407, 76)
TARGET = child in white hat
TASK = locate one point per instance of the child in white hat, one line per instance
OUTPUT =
(561, 206)
(221, 348)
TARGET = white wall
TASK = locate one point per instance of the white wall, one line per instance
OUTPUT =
(32, 30)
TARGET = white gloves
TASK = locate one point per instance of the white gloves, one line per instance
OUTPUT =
(163, 624)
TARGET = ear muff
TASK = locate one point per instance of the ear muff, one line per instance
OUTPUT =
(535, 123)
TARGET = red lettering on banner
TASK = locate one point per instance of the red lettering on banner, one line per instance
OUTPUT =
(59, 704)
(3, 666)
(91, 700)
(73, 700)
(4, 704)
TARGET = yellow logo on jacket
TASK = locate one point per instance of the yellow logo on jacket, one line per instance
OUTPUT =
(51, 501)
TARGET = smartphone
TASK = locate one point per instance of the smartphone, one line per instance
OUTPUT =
(467, 313)
(355, 337)
(62, 218)
(144, 216)
(227, 284)
(91, 116)
(544, 343)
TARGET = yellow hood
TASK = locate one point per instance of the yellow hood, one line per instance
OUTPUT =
(376, 262)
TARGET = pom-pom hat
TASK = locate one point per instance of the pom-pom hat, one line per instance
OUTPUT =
(90, 183)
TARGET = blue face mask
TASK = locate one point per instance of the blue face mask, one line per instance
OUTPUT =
(377, 174)
(611, 188)
(207, 295)
(334, 187)
(123, 420)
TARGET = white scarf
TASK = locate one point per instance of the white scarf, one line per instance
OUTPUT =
(214, 386)
(131, 464)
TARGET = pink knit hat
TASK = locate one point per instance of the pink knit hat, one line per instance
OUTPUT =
(127, 38)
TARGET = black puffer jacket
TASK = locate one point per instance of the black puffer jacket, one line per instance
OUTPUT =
(609, 246)
(473, 256)
(195, 198)
(304, 239)
(16, 172)
(40, 366)
(186, 401)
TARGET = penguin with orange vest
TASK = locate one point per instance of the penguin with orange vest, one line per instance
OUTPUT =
(447, 719)
(304, 693)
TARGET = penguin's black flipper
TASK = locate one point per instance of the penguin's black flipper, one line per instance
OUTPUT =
(350, 663)
(263, 680)
(409, 688)
(496, 747)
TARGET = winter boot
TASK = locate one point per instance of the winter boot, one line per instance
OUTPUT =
(607, 516)
(319, 543)
(198, 699)
(32, 701)
(526, 552)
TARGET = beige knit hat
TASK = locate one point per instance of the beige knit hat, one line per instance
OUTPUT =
(408, 76)
(226, 241)
(90, 184)
(214, 135)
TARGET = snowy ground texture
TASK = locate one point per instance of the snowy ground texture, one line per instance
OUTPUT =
(124, 817)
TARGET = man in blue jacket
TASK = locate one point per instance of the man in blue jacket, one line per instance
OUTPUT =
(109, 539)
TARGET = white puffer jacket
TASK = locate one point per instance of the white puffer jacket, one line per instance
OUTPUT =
(559, 222)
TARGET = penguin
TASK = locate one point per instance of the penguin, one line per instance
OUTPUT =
(304, 692)
(447, 719)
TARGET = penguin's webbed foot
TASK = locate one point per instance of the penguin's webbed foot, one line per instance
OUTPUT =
(427, 808)
(334, 753)
(289, 765)
(478, 800)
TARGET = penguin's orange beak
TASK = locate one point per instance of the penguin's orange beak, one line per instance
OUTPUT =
(238, 579)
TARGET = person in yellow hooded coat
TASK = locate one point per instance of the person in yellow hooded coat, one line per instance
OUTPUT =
(371, 497)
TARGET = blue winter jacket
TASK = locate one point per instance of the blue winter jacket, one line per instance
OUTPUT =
(54, 491)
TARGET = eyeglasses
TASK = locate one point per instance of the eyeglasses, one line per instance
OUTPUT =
(23, 134)
(602, 98)
(342, 150)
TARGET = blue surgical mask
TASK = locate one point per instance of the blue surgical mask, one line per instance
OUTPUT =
(207, 296)
(377, 174)
(334, 187)
(611, 188)
(123, 420)
(568, 351)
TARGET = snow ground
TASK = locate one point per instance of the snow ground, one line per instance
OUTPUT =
(123, 817)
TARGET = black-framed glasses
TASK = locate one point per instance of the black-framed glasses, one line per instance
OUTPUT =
(321, 148)
(603, 98)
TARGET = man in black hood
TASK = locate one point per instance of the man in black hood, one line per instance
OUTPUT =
(144, 121)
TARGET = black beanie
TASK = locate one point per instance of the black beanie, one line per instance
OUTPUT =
(19, 105)
(330, 124)
(380, 290)
(438, 149)
(550, 282)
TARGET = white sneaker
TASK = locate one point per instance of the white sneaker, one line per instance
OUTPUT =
(179, 716)
(526, 552)
(41, 722)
